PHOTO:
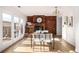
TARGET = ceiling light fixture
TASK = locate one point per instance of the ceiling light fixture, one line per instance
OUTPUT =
(57, 12)
(19, 6)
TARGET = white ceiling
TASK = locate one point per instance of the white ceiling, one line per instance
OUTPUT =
(37, 10)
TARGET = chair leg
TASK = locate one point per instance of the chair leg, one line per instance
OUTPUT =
(44, 46)
(53, 44)
(40, 46)
(31, 41)
(33, 46)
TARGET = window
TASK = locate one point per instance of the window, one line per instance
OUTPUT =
(16, 20)
(6, 17)
(21, 25)
(6, 26)
(16, 27)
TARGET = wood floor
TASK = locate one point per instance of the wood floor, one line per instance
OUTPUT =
(24, 46)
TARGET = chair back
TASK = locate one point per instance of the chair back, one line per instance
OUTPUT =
(38, 31)
(45, 31)
(42, 36)
(51, 35)
(48, 36)
(36, 35)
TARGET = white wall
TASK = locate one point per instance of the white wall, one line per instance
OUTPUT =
(59, 25)
(68, 31)
(14, 12)
(76, 28)
(0, 26)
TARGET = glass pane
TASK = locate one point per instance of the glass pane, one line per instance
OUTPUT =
(21, 21)
(6, 30)
(16, 27)
(6, 17)
(16, 20)
(16, 30)
(21, 25)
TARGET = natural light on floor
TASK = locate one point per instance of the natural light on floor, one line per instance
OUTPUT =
(56, 39)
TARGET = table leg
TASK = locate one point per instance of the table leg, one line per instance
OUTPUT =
(31, 41)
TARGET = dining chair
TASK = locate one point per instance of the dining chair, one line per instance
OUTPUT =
(42, 38)
(48, 39)
(36, 40)
(45, 31)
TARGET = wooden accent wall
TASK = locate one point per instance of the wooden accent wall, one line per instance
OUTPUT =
(30, 19)
(49, 22)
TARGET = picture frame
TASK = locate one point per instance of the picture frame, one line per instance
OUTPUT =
(70, 22)
(66, 20)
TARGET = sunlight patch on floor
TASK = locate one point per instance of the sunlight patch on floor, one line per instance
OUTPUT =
(28, 38)
(56, 39)
(40, 48)
(59, 51)
(71, 51)
(23, 49)
(26, 42)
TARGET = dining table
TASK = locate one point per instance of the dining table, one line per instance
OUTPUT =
(42, 32)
